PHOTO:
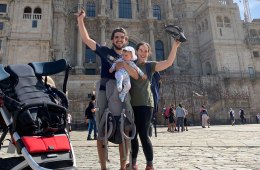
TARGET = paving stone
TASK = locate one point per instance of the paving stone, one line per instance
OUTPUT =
(216, 148)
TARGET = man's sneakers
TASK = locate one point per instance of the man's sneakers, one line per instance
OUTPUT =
(89, 138)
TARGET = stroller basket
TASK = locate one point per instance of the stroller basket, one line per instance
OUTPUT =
(34, 113)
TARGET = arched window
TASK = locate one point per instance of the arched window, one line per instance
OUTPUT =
(253, 33)
(37, 13)
(91, 9)
(219, 21)
(90, 56)
(227, 22)
(159, 50)
(208, 70)
(132, 44)
(157, 12)
(27, 13)
(125, 9)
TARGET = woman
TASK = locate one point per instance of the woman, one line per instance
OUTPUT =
(142, 101)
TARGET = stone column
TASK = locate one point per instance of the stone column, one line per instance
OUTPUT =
(134, 10)
(149, 5)
(169, 14)
(79, 66)
(103, 30)
(115, 8)
(103, 7)
(151, 37)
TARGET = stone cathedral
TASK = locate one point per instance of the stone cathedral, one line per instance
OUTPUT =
(219, 65)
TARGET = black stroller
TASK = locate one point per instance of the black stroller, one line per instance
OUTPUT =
(34, 114)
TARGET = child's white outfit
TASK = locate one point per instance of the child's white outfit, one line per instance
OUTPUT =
(122, 77)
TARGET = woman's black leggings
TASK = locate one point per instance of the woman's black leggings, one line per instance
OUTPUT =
(143, 117)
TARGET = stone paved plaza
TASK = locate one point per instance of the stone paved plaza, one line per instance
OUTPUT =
(218, 147)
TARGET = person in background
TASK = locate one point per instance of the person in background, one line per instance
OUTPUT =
(90, 114)
(171, 125)
(180, 114)
(232, 116)
(257, 118)
(242, 115)
(69, 120)
(204, 116)
(186, 120)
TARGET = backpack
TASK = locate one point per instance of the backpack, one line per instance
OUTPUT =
(167, 113)
(155, 88)
(155, 85)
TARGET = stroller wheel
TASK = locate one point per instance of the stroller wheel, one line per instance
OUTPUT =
(176, 32)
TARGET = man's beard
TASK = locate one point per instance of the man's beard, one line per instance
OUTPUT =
(117, 48)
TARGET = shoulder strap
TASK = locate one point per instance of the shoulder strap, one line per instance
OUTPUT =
(148, 68)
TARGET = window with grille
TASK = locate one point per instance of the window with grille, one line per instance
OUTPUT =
(219, 21)
(157, 12)
(125, 9)
(3, 8)
(37, 13)
(227, 22)
(27, 13)
(159, 50)
(34, 23)
(91, 9)
(1, 25)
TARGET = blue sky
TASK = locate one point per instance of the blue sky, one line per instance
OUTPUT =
(254, 6)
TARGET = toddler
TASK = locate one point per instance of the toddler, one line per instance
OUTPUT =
(122, 77)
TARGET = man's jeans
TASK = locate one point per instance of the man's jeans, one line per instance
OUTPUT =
(180, 122)
(92, 125)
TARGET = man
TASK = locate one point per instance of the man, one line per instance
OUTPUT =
(90, 114)
(180, 114)
(119, 40)
(242, 115)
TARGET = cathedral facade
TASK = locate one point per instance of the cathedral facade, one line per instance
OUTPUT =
(218, 66)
